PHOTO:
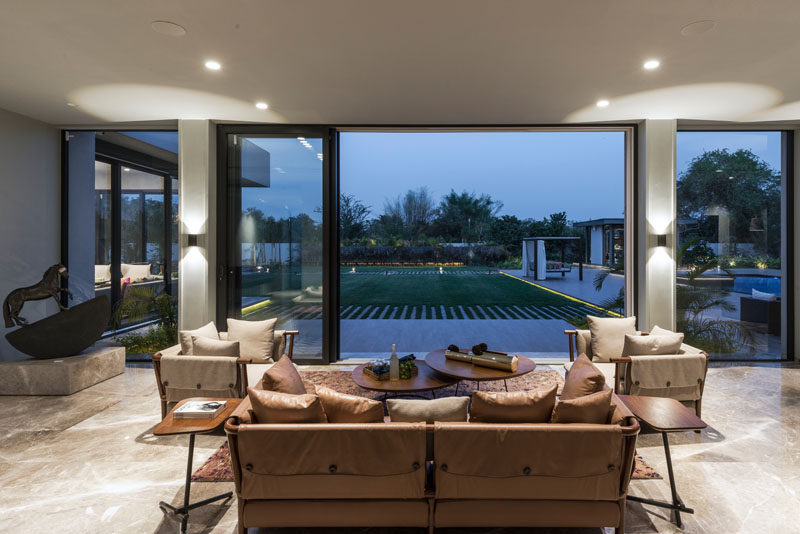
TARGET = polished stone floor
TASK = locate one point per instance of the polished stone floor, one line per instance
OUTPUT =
(89, 462)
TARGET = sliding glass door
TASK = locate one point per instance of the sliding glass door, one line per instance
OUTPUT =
(273, 195)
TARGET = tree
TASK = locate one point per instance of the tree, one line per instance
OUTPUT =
(466, 216)
(353, 216)
(509, 231)
(414, 212)
(737, 186)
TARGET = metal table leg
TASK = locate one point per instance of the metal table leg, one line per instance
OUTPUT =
(183, 511)
(676, 504)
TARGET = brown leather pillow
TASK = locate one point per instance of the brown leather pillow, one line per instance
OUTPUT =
(514, 407)
(592, 408)
(583, 379)
(273, 407)
(284, 378)
(342, 408)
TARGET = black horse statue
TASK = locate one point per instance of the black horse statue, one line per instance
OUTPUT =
(48, 287)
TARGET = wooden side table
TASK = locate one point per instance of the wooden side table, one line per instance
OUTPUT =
(170, 427)
(468, 371)
(426, 380)
(664, 415)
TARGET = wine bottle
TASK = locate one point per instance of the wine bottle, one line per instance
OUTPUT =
(394, 365)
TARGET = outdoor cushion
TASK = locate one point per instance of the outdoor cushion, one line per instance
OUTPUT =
(207, 346)
(255, 338)
(284, 378)
(652, 344)
(448, 409)
(608, 336)
(135, 272)
(658, 331)
(342, 408)
(513, 407)
(760, 295)
(583, 379)
(594, 408)
(271, 407)
(185, 336)
(102, 273)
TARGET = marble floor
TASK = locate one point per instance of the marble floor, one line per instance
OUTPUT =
(90, 463)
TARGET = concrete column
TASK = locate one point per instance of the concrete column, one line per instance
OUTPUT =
(197, 190)
(656, 215)
(792, 351)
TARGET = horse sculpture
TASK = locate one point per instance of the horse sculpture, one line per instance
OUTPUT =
(48, 287)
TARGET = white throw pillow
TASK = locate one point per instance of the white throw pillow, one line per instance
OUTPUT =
(135, 272)
(608, 336)
(652, 345)
(185, 337)
(760, 295)
(208, 346)
(658, 331)
(255, 338)
(102, 273)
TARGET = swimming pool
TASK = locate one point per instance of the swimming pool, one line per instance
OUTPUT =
(765, 284)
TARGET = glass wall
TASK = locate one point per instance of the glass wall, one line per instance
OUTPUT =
(730, 253)
(275, 242)
(432, 226)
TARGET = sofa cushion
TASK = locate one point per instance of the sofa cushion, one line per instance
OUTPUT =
(608, 336)
(255, 338)
(102, 273)
(342, 408)
(608, 370)
(658, 331)
(207, 346)
(283, 378)
(185, 336)
(653, 344)
(583, 379)
(135, 272)
(448, 409)
(512, 407)
(594, 408)
(273, 407)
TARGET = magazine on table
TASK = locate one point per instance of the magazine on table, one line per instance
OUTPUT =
(199, 410)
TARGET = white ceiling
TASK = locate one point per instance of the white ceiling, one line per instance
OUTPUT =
(400, 61)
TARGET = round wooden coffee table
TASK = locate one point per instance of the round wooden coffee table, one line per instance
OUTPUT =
(467, 371)
(426, 380)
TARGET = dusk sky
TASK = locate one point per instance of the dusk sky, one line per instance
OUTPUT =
(533, 174)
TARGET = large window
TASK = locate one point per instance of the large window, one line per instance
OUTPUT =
(731, 269)
(437, 238)
(274, 234)
(121, 229)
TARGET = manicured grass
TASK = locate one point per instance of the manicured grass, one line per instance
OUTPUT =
(446, 289)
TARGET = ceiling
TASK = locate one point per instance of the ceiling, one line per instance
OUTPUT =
(400, 62)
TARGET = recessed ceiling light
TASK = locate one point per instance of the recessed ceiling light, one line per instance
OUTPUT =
(213, 65)
(126, 169)
(262, 105)
(72, 104)
(651, 64)
(165, 27)
(602, 103)
(698, 26)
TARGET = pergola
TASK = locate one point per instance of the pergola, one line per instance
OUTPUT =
(530, 251)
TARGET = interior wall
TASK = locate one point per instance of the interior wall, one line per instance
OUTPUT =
(30, 201)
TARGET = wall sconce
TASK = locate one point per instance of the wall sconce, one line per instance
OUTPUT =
(661, 240)
(191, 240)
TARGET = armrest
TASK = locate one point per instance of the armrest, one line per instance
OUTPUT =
(572, 335)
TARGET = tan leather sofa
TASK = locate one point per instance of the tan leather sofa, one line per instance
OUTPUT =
(684, 383)
(478, 475)
(180, 376)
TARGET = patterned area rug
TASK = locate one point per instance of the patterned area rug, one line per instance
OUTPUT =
(218, 467)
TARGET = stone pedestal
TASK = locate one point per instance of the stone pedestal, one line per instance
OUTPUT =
(62, 376)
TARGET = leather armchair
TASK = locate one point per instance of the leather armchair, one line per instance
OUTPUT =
(679, 376)
(180, 376)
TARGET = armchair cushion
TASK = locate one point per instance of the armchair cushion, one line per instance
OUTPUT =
(255, 338)
(583, 379)
(583, 343)
(677, 376)
(594, 408)
(608, 336)
(185, 336)
(206, 346)
(278, 345)
(283, 378)
(514, 407)
(342, 408)
(271, 407)
(653, 344)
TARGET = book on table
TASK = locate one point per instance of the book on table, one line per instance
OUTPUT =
(199, 410)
